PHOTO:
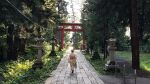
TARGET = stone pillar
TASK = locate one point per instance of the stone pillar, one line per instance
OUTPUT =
(111, 49)
(53, 42)
(38, 63)
(40, 47)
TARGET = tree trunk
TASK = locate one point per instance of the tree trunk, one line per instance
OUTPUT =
(141, 20)
(10, 42)
(16, 46)
(1, 53)
(105, 43)
(134, 34)
(105, 49)
(105, 39)
(22, 45)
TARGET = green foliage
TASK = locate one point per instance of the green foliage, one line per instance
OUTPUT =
(76, 39)
(103, 19)
(40, 12)
(16, 69)
(98, 65)
(31, 18)
(146, 43)
(20, 71)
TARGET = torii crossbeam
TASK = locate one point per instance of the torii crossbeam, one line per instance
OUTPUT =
(73, 29)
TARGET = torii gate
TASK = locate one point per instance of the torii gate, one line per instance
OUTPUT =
(73, 29)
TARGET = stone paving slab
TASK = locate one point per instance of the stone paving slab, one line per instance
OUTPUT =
(84, 74)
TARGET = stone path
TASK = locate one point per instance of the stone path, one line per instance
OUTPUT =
(84, 74)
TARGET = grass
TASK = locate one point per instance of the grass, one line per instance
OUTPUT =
(144, 58)
(125, 55)
(100, 64)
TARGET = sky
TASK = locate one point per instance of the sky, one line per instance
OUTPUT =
(127, 31)
(77, 6)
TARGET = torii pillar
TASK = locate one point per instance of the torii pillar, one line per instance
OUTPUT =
(62, 37)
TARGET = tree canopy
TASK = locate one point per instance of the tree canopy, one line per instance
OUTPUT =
(26, 19)
(110, 18)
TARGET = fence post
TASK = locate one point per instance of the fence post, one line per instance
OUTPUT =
(135, 75)
(124, 79)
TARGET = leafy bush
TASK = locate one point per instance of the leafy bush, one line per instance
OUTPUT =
(21, 72)
(145, 48)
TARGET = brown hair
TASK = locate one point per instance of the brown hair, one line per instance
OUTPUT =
(72, 51)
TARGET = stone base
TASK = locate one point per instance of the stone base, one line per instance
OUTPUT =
(95, 56)
(112, 66)
(60, 48)
(53, 53)
(37, 64)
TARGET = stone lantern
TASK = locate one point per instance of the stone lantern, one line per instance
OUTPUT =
(53, 42)
(39, 45)
(111, 63)
(112, 48)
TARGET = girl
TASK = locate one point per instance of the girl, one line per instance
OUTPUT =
(72, 60)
